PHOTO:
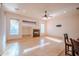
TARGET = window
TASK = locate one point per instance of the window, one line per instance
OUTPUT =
(14, 27)
(42, 30)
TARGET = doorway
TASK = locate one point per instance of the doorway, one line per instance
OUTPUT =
(42, 29)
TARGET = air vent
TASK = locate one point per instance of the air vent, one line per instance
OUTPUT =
(77, 8)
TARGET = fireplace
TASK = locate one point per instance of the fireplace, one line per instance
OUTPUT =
(36, 32)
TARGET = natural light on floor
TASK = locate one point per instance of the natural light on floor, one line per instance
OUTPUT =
(54, 39)
(13, 50)
(36, 47)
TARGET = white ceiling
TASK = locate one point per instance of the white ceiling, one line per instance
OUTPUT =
(36, 10)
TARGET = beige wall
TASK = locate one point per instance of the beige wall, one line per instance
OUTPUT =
(22, 31)
(27, 30)
(10, 16)
(2, 30)
(69, 22)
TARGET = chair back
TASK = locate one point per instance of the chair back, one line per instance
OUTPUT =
(73, 53)
(66, 37)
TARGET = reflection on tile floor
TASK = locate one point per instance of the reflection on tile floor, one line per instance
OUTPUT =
(45, 46)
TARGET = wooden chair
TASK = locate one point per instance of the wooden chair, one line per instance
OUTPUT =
(73, 54)
(68, 45)
(75, 44)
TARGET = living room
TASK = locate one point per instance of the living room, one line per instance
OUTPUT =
(37, 29)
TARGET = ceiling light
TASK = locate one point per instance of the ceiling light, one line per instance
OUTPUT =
(46, 17)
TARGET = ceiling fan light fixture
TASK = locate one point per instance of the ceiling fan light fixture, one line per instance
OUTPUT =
(46, 17)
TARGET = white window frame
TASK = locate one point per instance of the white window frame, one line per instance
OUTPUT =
(10, 26)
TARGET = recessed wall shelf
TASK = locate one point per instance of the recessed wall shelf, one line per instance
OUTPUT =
(32, 22)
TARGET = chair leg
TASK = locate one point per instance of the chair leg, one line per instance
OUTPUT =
(65, 50)
(73, 52)
(68, 48)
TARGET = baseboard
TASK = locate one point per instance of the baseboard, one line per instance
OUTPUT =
(55, 36)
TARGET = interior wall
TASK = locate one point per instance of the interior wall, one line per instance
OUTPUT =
(27, 30)
(22, 31)
(69, 22)
(10, 16)
(2, 31)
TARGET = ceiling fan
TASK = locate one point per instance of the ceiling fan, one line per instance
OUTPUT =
(46, 16)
